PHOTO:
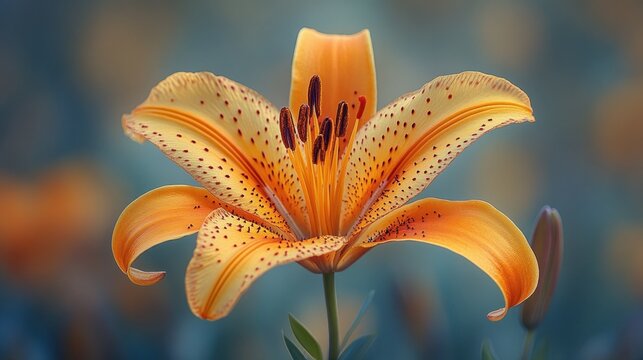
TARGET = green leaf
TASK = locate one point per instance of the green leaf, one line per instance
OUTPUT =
(487, 351)
(293, 350)
(305, 338)
(358, 348)
(358, 318)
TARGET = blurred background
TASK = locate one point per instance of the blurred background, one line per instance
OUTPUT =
(69, 70)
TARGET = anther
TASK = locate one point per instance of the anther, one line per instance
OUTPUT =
(322, 155)
(302, 122)
(341, 120)
(287, 128)
(314, 94)
(318, 149)
(326, 130)
(362, 105)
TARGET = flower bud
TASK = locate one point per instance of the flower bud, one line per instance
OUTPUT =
(547, 244)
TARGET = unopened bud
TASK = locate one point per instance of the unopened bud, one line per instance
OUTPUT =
(547, 244)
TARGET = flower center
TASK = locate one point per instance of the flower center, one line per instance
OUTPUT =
(314, 150)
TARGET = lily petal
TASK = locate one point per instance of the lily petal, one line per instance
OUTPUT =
(227, 137)
(409, 142)
(345, 66)
(163, 214)
(232, 252)
(473, 229)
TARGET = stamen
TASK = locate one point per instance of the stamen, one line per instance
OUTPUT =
(287, 128)
(314, 94)
(326, 130)
(302, 122)
(341, 120)
(362, 105)
(321, 163)
(318, 148)
(322, 156)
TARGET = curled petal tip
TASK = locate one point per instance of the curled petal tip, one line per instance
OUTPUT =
(160, 215)
(497, 315)
(467, 228)
(145, 278)
(125, 122)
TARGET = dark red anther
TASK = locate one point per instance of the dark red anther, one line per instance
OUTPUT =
(341, 120)
(314, 94)
(318, 149)
(302, 122)
(362, 105)
(326, 130)
(287, 128)
(322, 155)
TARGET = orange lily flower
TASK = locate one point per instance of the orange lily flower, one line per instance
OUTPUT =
(325, 189)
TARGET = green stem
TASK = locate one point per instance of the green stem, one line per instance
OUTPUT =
(331, 311)
(529, 344)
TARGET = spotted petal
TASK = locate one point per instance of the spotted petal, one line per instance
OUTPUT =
(345, 66)
(473, 229)
(163, 214)
(409, 142)
(227, 137)
(233, 252)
